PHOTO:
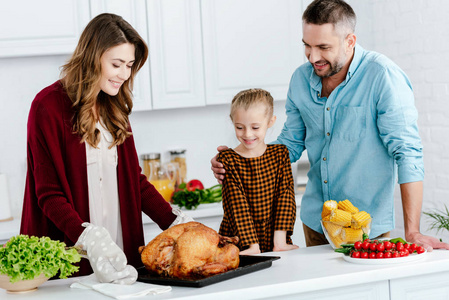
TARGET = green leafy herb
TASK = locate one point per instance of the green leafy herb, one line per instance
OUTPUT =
(191, 199)
(440, 219)
(24, 258)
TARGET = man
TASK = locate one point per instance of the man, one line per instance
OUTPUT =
(353, 110)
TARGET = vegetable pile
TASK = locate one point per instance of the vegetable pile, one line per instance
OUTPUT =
(190, 198)
(24, 258)
(375, 249)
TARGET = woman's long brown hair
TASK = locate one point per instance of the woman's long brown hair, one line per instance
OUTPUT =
(81, 76)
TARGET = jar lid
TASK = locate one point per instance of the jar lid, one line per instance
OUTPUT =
(153, 155)
(178, 151)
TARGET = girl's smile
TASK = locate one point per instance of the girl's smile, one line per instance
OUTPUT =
(251, 126)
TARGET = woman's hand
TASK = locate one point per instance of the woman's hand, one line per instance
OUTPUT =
(217, 167)
(253, 249)
(106, 258)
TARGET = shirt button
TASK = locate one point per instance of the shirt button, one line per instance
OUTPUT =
(328, 134)
(325, 181)
(328, 108)
(324, 158)
(319, 95)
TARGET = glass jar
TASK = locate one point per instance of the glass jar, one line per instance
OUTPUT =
(179, 157)
(151, 164)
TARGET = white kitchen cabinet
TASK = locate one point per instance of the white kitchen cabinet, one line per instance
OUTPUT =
(423, 287)
(134, 12)
(201, 52)
(176, 55)
(250, 44)
(45, 27)
(243, 44)
(370, 291)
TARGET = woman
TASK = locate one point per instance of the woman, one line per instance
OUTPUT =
(82, 162)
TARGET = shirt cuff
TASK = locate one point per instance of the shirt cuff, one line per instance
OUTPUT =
(410, 173)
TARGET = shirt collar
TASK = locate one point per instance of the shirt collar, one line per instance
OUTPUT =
(315, 80)
(358, 51)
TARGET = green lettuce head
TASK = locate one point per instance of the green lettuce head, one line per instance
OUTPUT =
(25, 258)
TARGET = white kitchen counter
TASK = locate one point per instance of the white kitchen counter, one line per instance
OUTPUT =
(301, 274)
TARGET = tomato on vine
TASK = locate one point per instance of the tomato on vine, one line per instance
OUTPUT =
(380, 247)
(355, 254)
(420, 249)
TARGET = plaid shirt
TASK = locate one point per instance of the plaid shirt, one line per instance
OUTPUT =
(258, 197)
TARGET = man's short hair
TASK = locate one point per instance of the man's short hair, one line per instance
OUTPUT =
(336, 12)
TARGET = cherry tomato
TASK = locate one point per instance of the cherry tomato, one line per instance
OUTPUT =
(365, 245)
(355, 254)
(399, 246)
(380, 247)
(364, 255)
(396, 254)
(387, 255)
(404, 253)
(380, 255)
(407, 246)
(372, 246)
(372, 255)
(393, 246)
(367, 240)
(413, 247)
(358, 245)
(420, 249)
(387, 245)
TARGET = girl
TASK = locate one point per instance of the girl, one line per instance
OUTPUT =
(258, 198)
(81, 158)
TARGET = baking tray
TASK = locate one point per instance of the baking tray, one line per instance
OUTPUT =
(248, 264)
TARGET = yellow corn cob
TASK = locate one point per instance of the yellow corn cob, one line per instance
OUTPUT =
(351, 235)
(341, 217)
(326, 218)
(337, 241)
(328, 207)
(332, 229)
(360, 219)
(346, 205)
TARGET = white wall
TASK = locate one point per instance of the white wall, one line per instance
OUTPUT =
(413, 33)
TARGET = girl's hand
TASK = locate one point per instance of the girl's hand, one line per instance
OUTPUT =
(280, 241)
(285, 247)
(253, 249)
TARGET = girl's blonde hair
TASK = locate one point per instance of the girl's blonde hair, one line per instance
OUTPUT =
(246, 98)
(81, 76)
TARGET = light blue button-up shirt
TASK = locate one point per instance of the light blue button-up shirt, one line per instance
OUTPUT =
(358, 140)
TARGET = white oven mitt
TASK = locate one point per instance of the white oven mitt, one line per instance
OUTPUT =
(106, 258)
(180, 217)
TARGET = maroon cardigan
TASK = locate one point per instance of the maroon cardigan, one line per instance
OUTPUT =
(56, 200)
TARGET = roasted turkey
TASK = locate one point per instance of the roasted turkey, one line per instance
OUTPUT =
(190, 250)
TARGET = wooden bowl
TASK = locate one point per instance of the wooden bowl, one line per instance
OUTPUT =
(22, 286)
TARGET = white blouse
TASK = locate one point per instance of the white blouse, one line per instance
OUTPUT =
(104, 207)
